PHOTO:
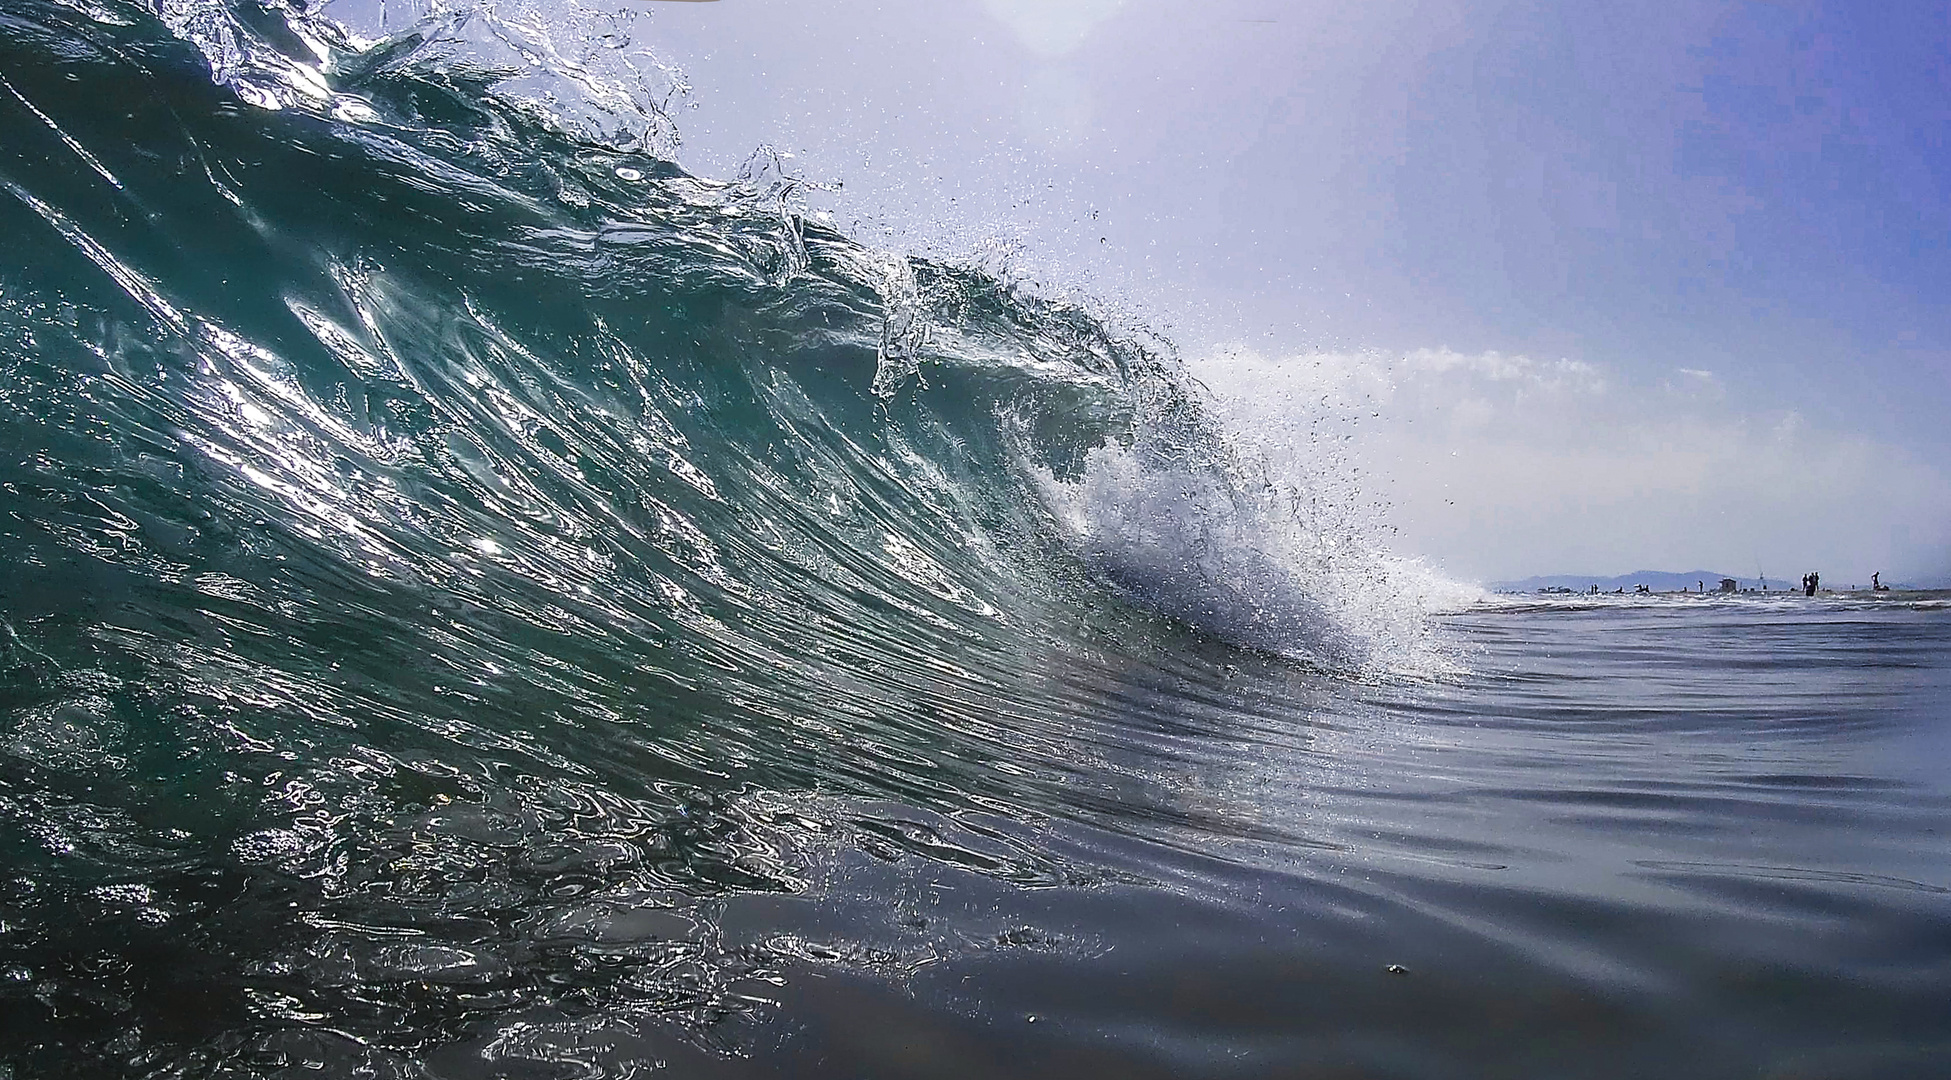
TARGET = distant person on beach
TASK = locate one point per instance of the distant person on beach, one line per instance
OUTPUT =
(1810, 582)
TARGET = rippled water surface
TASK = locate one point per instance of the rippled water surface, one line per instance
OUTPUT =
(476, 600)
(1664, 838)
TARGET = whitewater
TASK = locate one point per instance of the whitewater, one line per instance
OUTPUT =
(477, 599)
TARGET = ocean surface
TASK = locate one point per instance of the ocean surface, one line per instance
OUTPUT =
(478, 601)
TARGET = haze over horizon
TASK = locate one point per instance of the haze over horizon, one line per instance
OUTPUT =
(1649, 283)
(1690, 581)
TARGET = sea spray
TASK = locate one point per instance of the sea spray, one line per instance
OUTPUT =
(440, 535)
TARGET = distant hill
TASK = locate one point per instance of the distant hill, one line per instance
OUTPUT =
(1656, 580)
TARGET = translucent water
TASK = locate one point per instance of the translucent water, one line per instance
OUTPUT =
(479, 601)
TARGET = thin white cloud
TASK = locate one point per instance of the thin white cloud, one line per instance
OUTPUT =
(1502, 466)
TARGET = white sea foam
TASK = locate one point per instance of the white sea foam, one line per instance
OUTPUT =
(1274, 545)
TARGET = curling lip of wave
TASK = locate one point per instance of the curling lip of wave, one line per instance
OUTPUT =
(1252, 596)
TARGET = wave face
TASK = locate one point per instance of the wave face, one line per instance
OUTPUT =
(438, 531)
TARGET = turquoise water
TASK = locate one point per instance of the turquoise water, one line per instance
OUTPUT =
(479, 601)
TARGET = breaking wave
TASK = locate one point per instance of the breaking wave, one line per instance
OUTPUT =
(444, 539)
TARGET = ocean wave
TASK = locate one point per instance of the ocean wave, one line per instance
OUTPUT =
(432, 518)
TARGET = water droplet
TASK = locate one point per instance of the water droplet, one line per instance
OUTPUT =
(625, 172)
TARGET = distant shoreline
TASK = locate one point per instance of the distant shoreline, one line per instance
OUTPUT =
(1887, 595)
(1690, 581)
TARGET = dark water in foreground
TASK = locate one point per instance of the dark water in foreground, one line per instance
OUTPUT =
(478, 601)
(1672, 839)
(1667, 839)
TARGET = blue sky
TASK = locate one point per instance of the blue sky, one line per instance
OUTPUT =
(1732, 214)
